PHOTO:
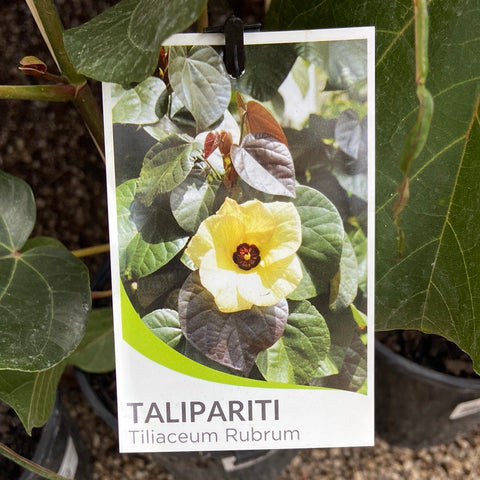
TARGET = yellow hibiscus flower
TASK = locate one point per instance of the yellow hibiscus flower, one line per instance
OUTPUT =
(246, 253)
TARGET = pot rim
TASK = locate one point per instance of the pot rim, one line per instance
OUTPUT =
(425, 372)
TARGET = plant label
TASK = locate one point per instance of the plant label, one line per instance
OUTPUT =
(242, 227)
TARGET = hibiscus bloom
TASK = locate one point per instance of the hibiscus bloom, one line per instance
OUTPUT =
(246, 253)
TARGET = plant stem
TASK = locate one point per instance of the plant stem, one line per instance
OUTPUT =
(95, 250)
(48, 93)
(91, 113)
(28, 464)
(418, 134)
(202, 21)
(49, 24)
(103, 294)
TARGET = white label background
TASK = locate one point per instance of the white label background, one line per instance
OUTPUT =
(323, 418)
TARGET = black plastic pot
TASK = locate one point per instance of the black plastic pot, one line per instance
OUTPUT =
(417, 407)
(56, 447)
(234, 465)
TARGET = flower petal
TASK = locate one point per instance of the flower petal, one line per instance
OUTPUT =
(222, 284)
(287, 236)
(257, 219)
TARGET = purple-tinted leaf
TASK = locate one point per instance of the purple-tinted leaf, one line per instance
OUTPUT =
(351, 135)
(231, 339)
(265, 164)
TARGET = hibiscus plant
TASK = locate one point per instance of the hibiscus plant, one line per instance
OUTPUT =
(211, 186)
(225, 255)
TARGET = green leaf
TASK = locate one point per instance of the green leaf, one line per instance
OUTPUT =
(95, 353)
(231, 339)
(344, 286)
(192, 202)
(198, 76)
(44, 289)
(165, 166)
(41, 242)
(322, 242)
(359, 317)
(432, 288)
(354, 369)
(265, 164)
(301, 76)
(347, 63)
(137, 105)
(31, 395)
(165, 325)
(314, 52)
(44, 304)
(17, 213)
(360, 246)
(148, 237)
(121, 45)
(348, 352)
(266, 67)
(294, 358)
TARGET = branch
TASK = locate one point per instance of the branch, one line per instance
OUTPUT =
(86, 252)
(28, 464)
(49, 24)
(47, 93)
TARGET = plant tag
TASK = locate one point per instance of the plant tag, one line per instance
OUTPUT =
(242, 228)
(465, 409)
(69, 465)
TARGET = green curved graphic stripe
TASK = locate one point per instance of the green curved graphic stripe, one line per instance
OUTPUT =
(138, 336)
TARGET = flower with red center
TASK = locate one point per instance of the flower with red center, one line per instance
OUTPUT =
(246, 253)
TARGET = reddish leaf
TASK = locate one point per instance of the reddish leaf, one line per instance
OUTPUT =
(231, 339)
(257, 118)
(226, 142)
(32, 66)
(212, 141)
(265, 164)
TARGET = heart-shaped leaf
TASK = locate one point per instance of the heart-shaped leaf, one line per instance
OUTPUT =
(256, 118)
(294, 358)
(137, 105)
(433, 287)
(121, 45)
(322, 242)
(165, 166)
(44, 300)
(198, 76)
(95, 353)
(265, 163)
(265, 70)
(31, 395)
(165, 325)
(44, 290)
(231, 339)
(192, 202)
(148, 237)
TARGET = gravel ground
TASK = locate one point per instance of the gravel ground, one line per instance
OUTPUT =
(48, 147)
(459, 460)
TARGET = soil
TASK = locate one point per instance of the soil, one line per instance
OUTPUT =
(13, 434)
(431, 351)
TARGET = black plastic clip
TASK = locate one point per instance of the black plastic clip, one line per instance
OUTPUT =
(234, 58)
